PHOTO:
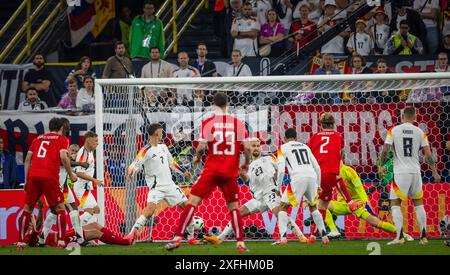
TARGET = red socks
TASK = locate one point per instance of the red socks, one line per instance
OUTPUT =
(185, 220)
(343, 190)
(61, 223)
(24, 222)
(109, 238)
(236, 223)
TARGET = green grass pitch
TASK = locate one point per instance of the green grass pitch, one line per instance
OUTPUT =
(434, 247)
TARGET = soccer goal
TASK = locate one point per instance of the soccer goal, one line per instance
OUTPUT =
(364, 107)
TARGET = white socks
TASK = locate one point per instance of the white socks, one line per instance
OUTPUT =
(283, 220)
(50, 220)
(292, 225)
(75, 220)
(397, 216)
(226, 231)
(190, 230)
(318, 220)
(140, 222)
(421, 218)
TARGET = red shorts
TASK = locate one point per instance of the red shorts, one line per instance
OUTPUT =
(205, 184)
(36, 186)
(328, 183)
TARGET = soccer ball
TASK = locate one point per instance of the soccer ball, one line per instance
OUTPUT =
(198, 223)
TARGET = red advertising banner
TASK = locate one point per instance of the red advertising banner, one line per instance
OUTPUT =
(363, 126)
(215, 214)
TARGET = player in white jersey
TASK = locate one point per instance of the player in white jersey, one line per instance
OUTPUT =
(157, 160)
(84, 185)
(406, 140)
(304, 171)
(261, 175)
(69, 201)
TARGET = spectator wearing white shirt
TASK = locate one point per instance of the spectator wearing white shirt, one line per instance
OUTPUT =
(260, 9)
(244, 31)
(360, 41)
(32, 102)
(336, 45)
(184, 70)
(429, 11)
(237, 68)
(380, 31)
(85, 97)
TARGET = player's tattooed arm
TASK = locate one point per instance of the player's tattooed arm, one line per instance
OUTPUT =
(201, 147)
(430, 161)
(63, 155)
(243, 174)
(384, 157)
(73, 163)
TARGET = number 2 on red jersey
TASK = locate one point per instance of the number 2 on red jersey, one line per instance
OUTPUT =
(325, 140)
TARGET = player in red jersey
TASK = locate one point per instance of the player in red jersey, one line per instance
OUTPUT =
(42, 165)
(92, 231)
(327, 147)
(223, 136)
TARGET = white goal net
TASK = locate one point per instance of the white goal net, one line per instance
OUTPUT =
(364, 106)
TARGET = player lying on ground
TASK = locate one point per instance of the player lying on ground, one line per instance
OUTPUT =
(157, 160)
(224, 136)
(354, 186)
(261, 176)
(406, 140)
(304, 172)
(91, 232)
(84, 186)
(42, 165)
(327, 146)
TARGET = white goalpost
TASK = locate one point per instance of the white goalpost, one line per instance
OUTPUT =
(365, 107)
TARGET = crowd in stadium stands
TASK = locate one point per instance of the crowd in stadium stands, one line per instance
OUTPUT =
(259, 28)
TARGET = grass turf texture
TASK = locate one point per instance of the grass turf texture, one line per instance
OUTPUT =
(434, 247)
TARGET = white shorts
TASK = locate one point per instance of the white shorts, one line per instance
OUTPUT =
(85, 198)
(301, 187)
(69, 197)
(268, 201)
(172, 194)
(406, 185)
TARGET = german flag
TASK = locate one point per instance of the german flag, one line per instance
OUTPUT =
(291, 196)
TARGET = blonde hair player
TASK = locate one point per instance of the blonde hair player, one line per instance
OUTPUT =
(84, 185)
